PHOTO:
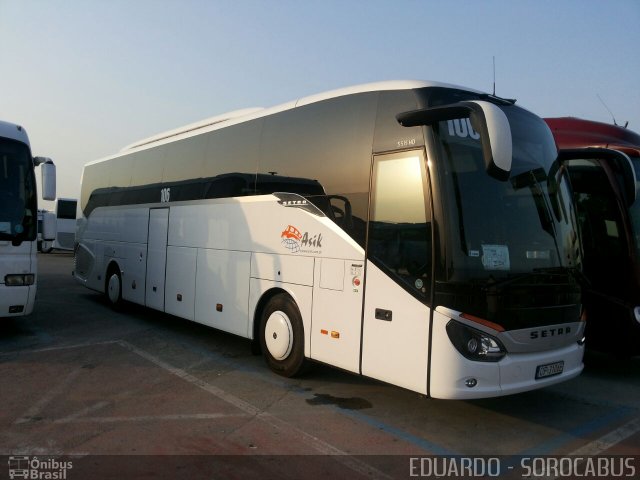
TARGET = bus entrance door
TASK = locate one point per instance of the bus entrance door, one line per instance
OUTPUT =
(396, 319)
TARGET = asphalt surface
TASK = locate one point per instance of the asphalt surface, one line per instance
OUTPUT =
(141, 394)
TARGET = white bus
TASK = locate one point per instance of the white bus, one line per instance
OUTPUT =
(19, 219)
(65, 223)
(65, 226)
(413, 232)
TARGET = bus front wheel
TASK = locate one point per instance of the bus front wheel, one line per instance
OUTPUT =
(282, 336)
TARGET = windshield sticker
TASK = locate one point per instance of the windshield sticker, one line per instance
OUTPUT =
(297, 242)
(495, 257)
(612, 228)
(462, 128)
(5, 227)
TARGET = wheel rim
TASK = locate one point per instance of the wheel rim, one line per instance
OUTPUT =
(278, 335)
(114, 288)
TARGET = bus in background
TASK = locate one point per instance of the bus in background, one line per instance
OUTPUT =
(19, 219)
(413, 232)
(65, 227)
(65, 223)
(605, 189)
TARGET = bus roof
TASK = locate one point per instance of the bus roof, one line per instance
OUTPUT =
(14, 132)
(572, 132)
(244, 115)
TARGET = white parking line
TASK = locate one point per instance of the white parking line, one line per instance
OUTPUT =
(59, 347)
(147, 418)
(81, 413)
(233, 400)
(610, 439)
(309, 440)
(48, 397)
(596, 447)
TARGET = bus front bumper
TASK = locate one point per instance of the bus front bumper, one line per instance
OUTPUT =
(455, 377)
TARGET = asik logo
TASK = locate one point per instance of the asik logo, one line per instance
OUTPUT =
(296, 242)
(291, 237)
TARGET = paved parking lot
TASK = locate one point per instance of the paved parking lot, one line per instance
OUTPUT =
(81, 381)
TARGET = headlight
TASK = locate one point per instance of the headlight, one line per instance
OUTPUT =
(19, 279)
(474, 344)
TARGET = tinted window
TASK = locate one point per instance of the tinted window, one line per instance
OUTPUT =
(601, 226)
(400, 224)
(17, 192)
(66, 209)
(634, 209)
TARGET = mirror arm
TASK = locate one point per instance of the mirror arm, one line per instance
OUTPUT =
(40, 160)
(429, 116)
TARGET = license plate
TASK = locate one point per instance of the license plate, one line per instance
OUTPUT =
(549, 370)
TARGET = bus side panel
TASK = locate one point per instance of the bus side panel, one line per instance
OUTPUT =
(135, 269)
(301, 294)
(258, 224)
(222, 289)
(337, 309)
(180, 287)
(283, 268)
(123, 234)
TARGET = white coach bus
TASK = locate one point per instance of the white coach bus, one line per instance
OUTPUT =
(417, 233)
(19, 219)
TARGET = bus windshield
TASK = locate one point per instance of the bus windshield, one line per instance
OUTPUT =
(17, 192)
(516, 235)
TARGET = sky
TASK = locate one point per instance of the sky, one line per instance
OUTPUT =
(88, 77)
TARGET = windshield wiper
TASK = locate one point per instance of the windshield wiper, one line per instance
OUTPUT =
(577, 273)
(571, 271)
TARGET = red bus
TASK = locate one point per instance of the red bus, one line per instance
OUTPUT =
(605, 189)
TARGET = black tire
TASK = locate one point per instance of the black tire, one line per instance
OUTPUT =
(113, 287)
(282, 336)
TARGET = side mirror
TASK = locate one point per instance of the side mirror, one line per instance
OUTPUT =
(486, 118)
(49, 227)
(48, 171)
(619, 160)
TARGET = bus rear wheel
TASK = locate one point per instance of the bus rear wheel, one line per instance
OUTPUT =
(113, 287)
(282, 336)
